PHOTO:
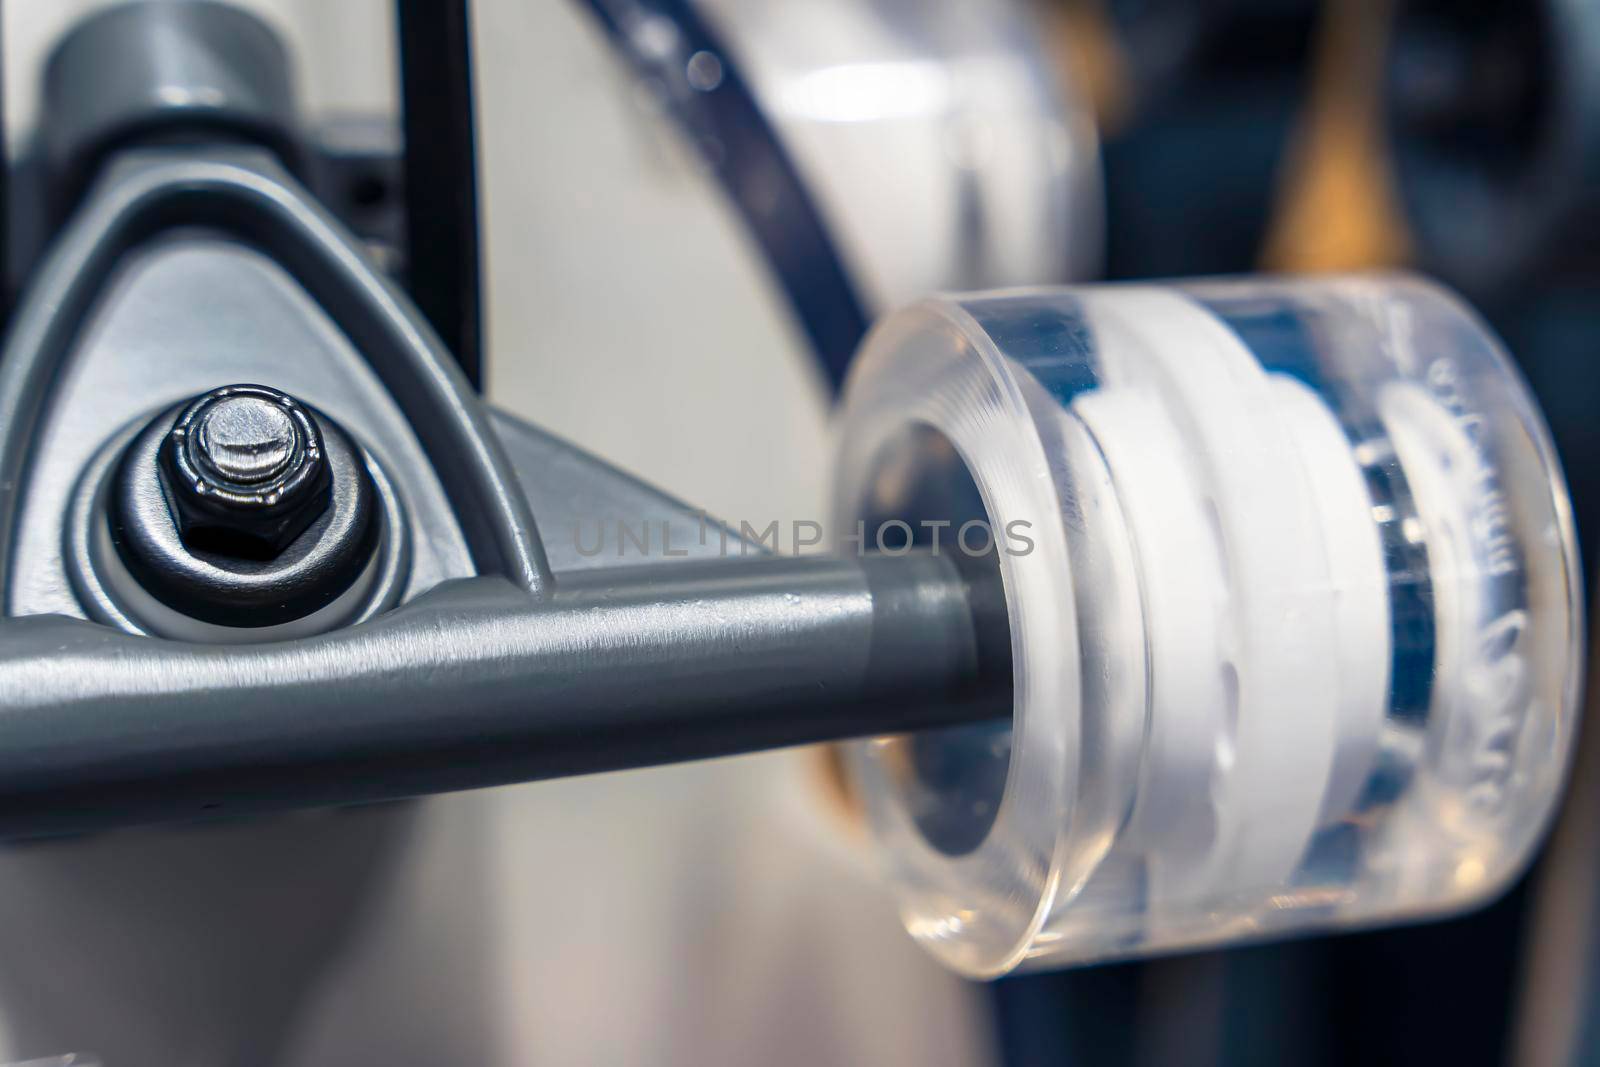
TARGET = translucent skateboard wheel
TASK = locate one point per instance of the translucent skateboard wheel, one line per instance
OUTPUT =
(1292, 600)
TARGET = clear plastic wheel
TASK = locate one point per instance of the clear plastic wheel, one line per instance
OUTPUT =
(1293, 608)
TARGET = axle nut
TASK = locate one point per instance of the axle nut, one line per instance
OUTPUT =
(244, 508)
(245, 471)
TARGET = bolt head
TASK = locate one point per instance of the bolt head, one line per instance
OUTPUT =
(246, 440)
(244, 471)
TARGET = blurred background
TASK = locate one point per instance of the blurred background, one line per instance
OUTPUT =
(690, 213)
